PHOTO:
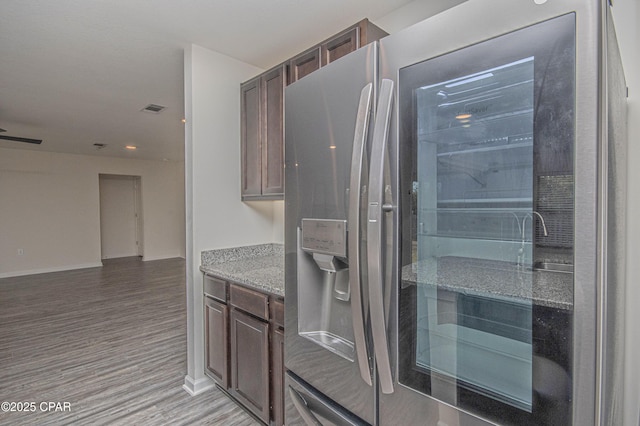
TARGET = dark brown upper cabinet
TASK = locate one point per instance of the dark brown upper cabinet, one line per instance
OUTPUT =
(262, 110)
(273, 83)
(262, 135)
(340, 45)
(304, 64)
(251, 138)
(335, 47)
(361, 34)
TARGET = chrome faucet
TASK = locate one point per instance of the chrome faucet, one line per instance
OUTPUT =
(521, 254)
(524, 222)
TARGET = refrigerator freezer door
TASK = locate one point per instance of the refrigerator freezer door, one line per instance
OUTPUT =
(326, 112)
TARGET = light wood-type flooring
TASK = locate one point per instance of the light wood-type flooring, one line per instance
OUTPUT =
(109, 341)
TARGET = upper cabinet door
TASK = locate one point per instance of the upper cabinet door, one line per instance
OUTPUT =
(360, 34)
(262, 135)
(273, 83)
(304, 64)
(341, 45)
(251, 138)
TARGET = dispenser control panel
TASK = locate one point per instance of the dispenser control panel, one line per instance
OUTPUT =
(326, 236)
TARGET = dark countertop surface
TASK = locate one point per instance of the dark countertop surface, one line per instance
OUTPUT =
(493, 279)
(260, 266)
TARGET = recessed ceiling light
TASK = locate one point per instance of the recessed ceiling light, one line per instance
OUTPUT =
(131, 147)
(184, 120)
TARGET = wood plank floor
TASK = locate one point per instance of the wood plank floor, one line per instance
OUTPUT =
(110, 341)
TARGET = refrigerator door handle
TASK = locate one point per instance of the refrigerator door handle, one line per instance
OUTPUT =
(357, 163)
(375, 217)
(303, 409)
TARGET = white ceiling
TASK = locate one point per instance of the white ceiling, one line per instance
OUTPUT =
(78, 72)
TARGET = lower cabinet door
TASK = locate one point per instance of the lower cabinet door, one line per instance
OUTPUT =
(277, 377)
(250, 363)
(217, 341)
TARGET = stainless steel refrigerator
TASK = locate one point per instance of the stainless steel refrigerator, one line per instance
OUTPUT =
(454, 223)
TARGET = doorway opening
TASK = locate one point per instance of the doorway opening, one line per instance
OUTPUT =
(120, 216)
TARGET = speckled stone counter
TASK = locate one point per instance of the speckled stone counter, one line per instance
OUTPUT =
(260, 266)
(492, 278)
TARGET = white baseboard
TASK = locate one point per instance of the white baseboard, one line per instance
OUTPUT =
(168, 256)
(195, 387)
(47, 270)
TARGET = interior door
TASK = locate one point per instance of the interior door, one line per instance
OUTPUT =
(119, 216)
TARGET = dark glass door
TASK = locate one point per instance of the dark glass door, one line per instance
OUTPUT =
(486, 295)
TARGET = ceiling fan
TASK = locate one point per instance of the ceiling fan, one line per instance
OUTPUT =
(18, 139)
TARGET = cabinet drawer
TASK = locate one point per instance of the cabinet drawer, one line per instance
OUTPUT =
(215, 288)
(277, 312)
(250, 301)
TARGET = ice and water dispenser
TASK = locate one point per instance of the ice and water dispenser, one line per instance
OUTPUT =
(323, 286)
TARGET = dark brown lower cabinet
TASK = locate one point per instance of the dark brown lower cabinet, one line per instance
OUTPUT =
(244, 346)
(250, 363)
(277, 376)
(216, 347)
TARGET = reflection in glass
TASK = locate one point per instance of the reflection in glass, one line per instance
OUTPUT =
(474, 214)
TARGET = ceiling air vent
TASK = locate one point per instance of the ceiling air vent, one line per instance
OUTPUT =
(153, 108)
(99, 146)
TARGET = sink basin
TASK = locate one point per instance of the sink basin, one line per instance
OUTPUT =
(553, 267)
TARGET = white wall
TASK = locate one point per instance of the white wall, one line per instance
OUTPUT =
(216, 218)
(49, 207)
(278, 222)
(412, 13)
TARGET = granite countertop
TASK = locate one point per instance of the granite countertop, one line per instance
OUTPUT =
(492, 278)
(262, 267)
(259, 266)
